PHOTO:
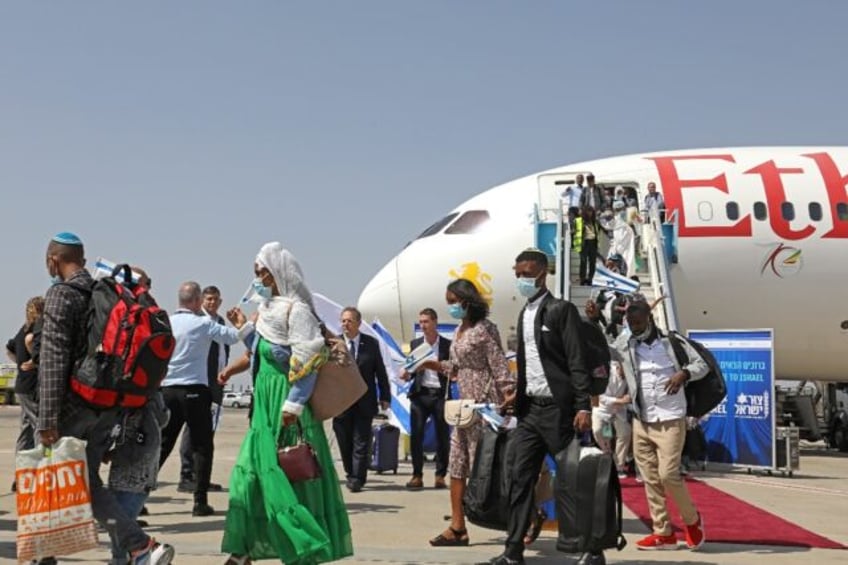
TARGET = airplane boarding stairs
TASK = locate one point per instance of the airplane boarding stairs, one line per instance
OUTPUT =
(653, 269)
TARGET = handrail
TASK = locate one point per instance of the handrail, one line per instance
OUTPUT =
(564, 256)
(658, 265)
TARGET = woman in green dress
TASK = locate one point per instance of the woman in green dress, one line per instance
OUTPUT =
(269, 517)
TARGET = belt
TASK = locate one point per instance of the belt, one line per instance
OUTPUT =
(430, 390)
(541, 400)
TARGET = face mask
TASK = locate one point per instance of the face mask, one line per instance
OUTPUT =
(526, 286)
(55, 279)
(456, 311)
(646, 333)
(261, 290)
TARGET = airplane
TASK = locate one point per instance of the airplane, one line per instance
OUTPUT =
(760, 236)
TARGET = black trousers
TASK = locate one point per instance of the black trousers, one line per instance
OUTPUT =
(543, 431)
(190, 406)
(187, 453)
(588, 259)
(426, 404)
(353, 433)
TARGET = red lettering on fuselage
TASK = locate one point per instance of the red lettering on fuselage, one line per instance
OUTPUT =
(672, 189)
(835, 184)
(776, 196)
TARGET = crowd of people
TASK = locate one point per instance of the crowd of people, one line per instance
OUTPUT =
(607, 222)
(269, 517)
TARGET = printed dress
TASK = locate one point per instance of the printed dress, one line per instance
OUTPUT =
(478, 365)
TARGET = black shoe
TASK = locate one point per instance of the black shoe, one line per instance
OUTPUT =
(354, 485)
(202, 509)
(142, 523)
(592, 559)
(144, 511)
(186, 486)
(14, 486)
(46, 561)
(215, 487)
(502, 559)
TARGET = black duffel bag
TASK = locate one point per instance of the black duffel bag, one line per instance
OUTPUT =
(486, 500)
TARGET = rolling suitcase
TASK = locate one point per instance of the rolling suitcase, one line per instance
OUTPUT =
(588, 501)
(384, 448)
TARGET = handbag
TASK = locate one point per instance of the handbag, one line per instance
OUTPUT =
(299, 461)
(339, 384)
(460, 413)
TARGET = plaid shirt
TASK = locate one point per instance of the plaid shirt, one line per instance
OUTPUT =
(63, 342)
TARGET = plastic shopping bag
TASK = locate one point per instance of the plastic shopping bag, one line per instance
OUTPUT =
(54, 501)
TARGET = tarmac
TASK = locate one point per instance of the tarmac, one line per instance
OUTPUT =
(392, 525)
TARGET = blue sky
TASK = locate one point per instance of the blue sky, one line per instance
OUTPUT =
(182, 136)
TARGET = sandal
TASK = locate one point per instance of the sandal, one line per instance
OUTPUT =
(459, 538)
(535, 527)
(236, 560)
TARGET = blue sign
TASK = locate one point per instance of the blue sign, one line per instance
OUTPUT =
(740, 430)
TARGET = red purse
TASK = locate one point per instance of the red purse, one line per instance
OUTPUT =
(299, 461)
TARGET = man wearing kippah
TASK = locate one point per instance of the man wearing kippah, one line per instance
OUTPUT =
(64, 341)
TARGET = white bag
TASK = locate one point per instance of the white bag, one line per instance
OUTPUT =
(54, 501)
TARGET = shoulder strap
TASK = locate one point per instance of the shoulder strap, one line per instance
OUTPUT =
(679, 352)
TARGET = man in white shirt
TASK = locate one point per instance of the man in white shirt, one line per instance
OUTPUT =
(551, 400)
(427, 400)
(656, 383)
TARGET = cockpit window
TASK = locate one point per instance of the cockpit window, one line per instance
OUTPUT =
(438, 226)
(468, 222)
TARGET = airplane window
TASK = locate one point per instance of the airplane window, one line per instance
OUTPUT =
(787, 210)
(842, 211)
(732, 211)
(705, 211)
(469, 222)
(760, 211)
(815, 211)
(438, 226)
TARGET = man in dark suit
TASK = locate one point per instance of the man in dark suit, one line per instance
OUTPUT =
(218, 358)
(552, 397)
(427, 399)
(353, 427)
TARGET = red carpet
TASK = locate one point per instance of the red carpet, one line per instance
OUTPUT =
(728, 519)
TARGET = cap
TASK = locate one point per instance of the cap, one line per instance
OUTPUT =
(67, 238)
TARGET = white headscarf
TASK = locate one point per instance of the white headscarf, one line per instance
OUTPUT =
(288, 319)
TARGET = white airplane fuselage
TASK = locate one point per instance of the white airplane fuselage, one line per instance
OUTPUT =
(761, 244)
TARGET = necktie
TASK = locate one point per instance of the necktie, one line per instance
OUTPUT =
(352, 346)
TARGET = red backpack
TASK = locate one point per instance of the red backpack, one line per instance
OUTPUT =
(128, 348)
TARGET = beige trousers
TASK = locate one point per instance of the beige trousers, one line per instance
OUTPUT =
(657, 448)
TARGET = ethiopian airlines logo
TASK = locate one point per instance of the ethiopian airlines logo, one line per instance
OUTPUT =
(783, 261)
(473, 273)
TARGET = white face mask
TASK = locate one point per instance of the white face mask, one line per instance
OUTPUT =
(649, 328)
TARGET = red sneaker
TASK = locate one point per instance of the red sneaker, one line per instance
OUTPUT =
(653, 542)
(695, 534)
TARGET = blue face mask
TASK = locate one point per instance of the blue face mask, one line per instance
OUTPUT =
(526, 286)
(456, 311)
(55, 279)
(261, 290)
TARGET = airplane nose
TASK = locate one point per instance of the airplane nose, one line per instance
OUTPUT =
(381, 299)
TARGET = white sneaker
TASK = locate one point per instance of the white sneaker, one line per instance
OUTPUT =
(154, 554)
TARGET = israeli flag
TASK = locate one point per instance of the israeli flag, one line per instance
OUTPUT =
(606, 279)
(103, 268)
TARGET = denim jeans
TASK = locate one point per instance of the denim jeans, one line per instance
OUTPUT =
(131, 503)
